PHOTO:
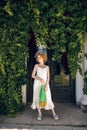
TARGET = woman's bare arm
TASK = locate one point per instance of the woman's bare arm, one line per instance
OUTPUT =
(48, 77)
(34, 73)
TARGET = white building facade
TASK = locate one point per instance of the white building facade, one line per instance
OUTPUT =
(79, 78)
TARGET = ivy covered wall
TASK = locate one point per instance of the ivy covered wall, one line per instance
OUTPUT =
(59, 25)
(13, 51)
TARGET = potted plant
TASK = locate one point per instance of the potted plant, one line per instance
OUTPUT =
(84, 98)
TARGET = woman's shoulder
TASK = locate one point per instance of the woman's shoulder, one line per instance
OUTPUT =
(47, 66)
(36, 65)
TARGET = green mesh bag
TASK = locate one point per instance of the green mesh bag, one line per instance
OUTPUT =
(42, 97)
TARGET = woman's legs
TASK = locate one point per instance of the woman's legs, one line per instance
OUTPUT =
(39, 111)
(39, 117)
(53, 111)
(54, 114)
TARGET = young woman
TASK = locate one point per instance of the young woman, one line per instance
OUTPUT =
(41, 75)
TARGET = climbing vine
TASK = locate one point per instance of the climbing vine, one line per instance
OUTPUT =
(13, 73)
(59, 25)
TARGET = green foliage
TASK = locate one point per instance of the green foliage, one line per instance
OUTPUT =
(59, 25)
(85, 83)
(3, 100)
(13, 46)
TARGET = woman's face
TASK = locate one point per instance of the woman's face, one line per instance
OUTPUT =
(40, 59)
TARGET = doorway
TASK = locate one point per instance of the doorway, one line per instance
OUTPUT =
(61, 84)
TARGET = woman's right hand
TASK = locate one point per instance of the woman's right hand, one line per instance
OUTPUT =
(42, 81)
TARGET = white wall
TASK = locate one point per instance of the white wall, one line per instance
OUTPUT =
(24, 93)
(79, 78)
(85, 51)
(79, 87)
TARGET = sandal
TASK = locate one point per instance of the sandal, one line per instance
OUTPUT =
(55, 117)
(39, 117)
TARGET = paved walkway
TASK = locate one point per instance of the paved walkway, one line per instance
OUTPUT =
(71, 118)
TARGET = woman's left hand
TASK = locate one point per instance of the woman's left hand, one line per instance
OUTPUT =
(46, 88)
